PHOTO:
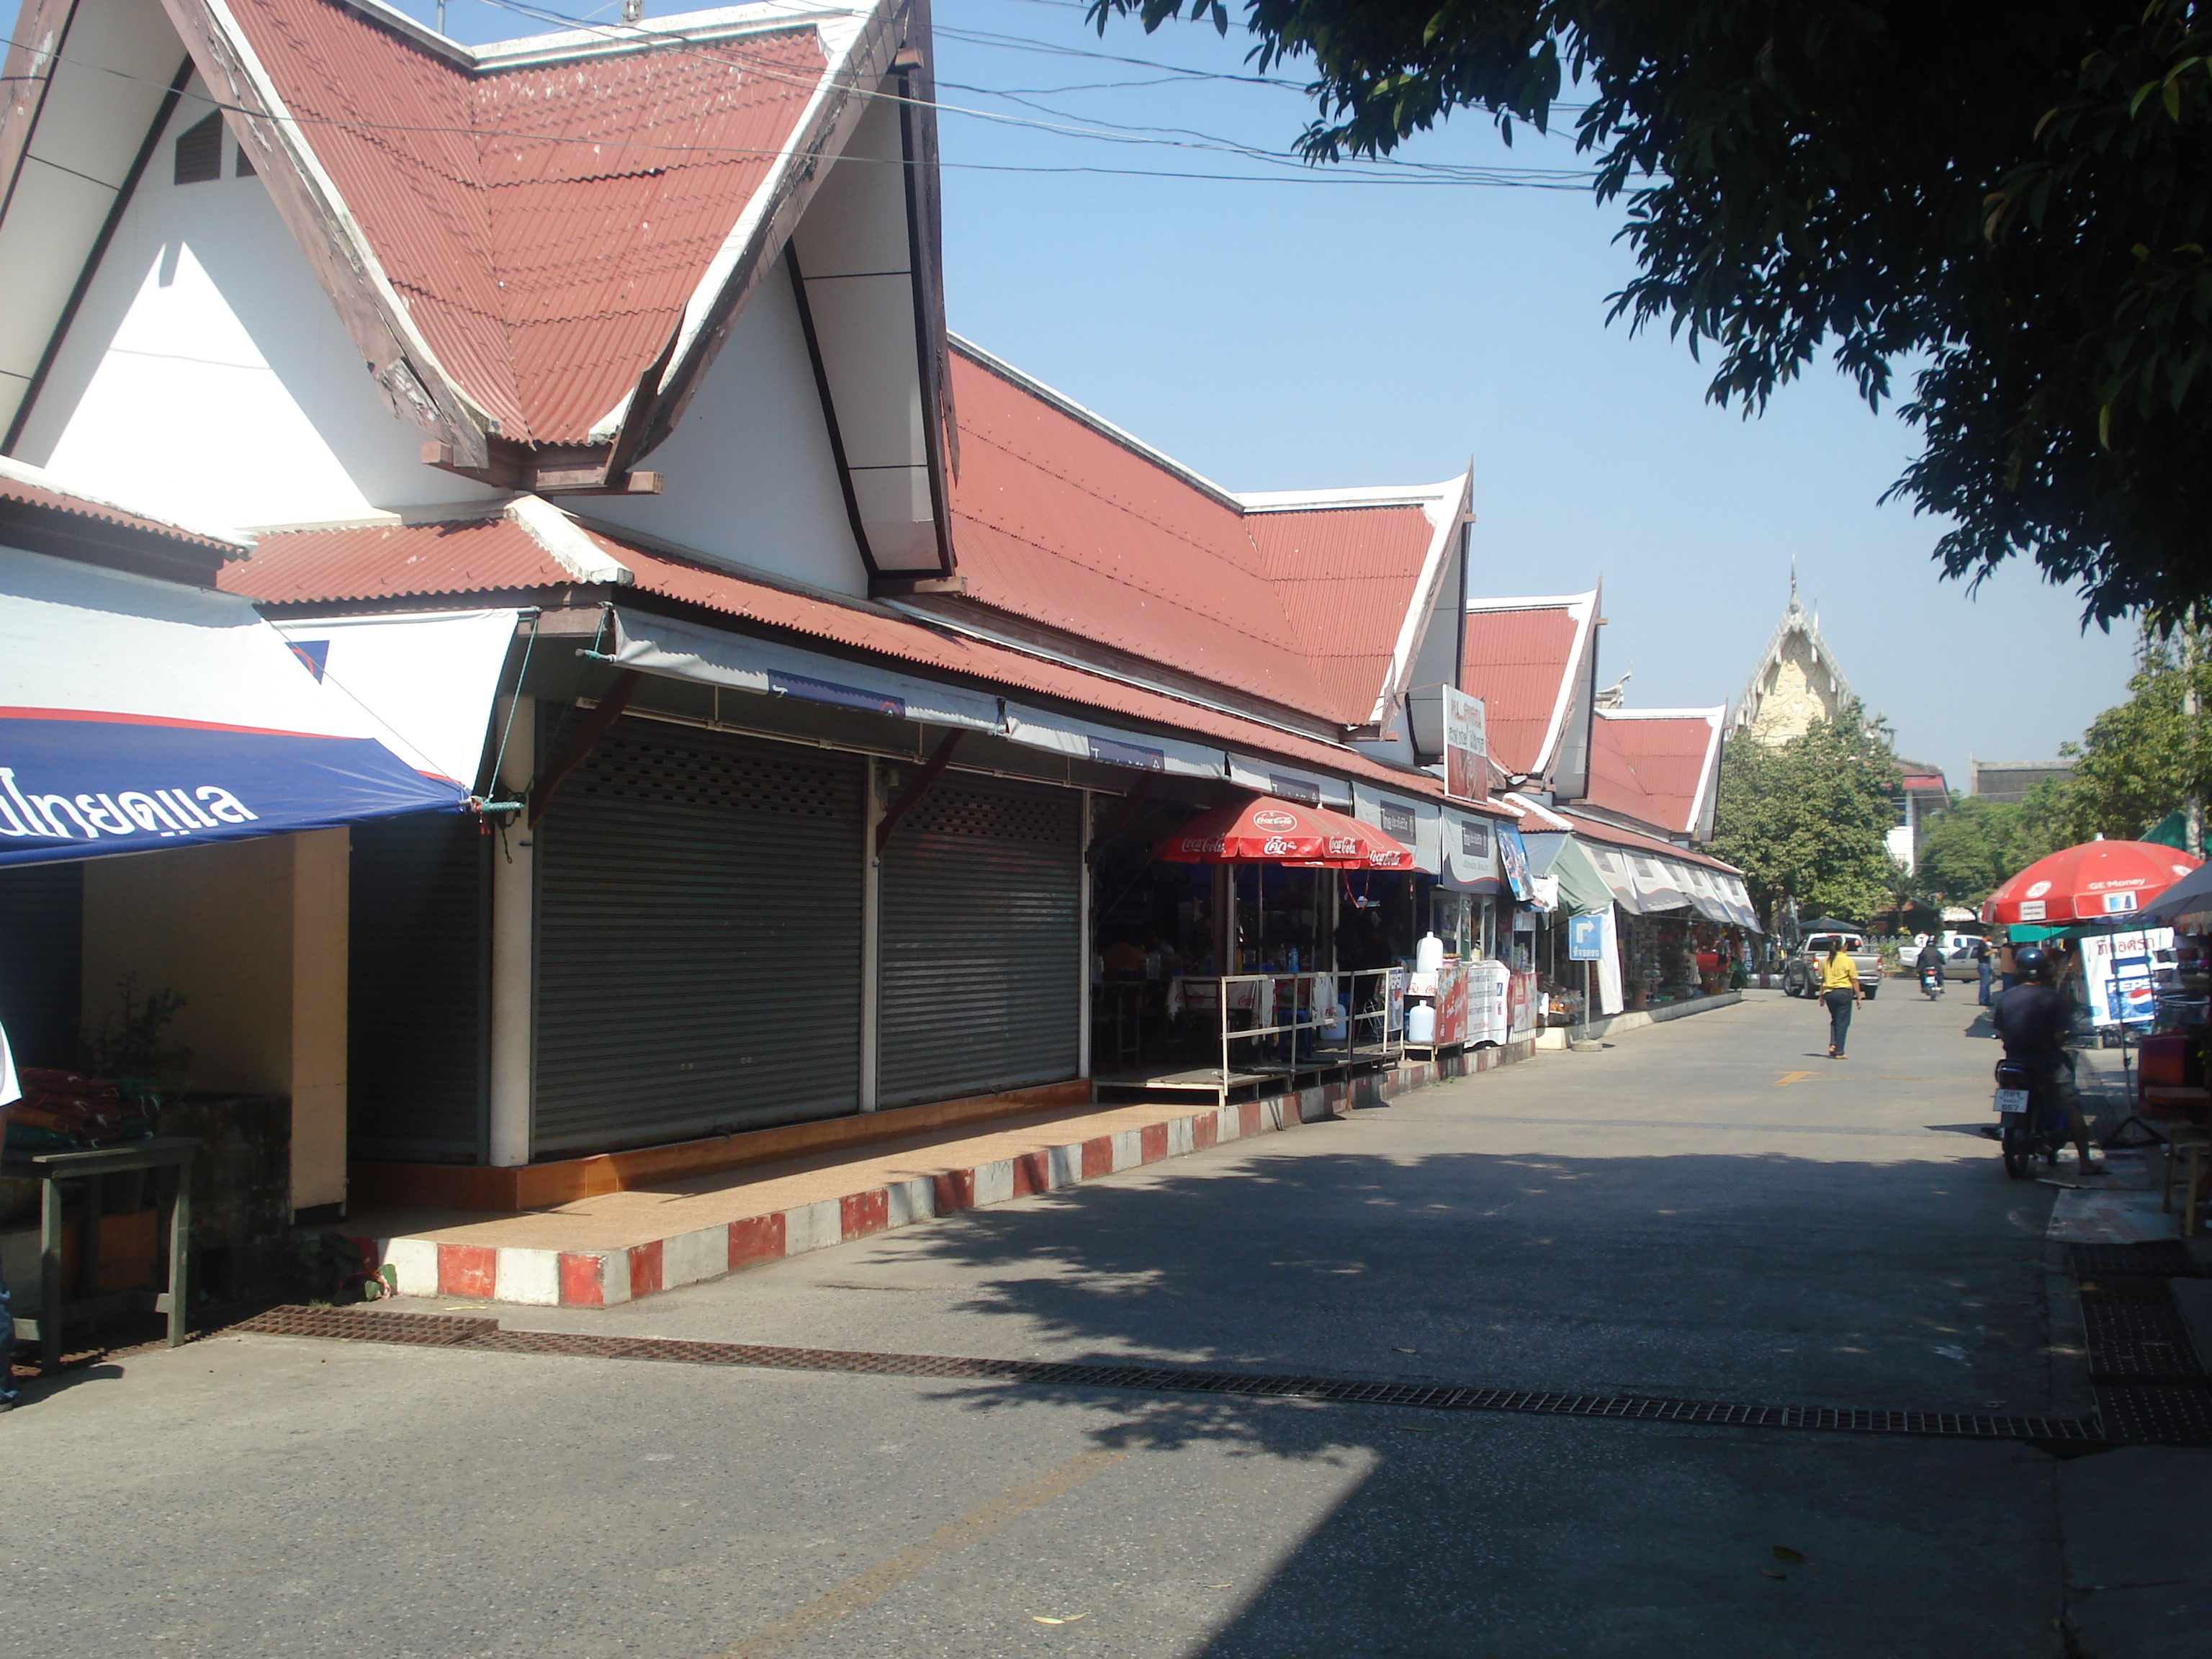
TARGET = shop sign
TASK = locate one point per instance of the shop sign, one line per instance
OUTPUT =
(1474, 838)
(1467, 745)
(1397, 821)
(1513, 860)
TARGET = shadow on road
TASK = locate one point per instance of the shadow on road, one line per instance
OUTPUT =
(1755, 1277)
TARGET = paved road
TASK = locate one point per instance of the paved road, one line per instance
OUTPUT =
(1708, 1209)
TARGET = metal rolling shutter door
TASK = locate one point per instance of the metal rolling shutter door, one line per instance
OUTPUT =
(419, 961)
(698, 939)
(982, 931)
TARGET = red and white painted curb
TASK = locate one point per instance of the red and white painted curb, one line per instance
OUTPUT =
(605, 1278)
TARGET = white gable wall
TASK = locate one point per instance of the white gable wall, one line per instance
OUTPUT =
(207, 377)
(749, 478)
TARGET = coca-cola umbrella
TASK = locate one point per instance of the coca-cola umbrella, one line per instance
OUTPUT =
(1267, 830)
(2097, 881)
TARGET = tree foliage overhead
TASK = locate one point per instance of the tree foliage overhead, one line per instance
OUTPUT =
(1964, 854)
(2016, 198)
(1807, 819)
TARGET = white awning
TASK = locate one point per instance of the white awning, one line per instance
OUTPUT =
(1407, 818)
(1272, 778)
(661, 645)
(428, 678)
(1469, 845)
(1070, 734)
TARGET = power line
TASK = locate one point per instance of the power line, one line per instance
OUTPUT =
(1381, 172)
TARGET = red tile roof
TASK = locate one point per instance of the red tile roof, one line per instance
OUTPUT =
(425, 561)
(1519, 656)
(1652, 767)
(394, 561)
(1345, 577)
(1059, 520)
(55, 497)
(1596, 830)
(544, 223)
(881, 631)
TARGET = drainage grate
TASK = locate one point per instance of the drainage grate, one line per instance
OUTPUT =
(485, 1336)
(2156, 1413)
(2135, 1333)
(2168, 1258)
(357, 1325)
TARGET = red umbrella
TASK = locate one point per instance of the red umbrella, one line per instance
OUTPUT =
(1267, 830)
(2090, 882)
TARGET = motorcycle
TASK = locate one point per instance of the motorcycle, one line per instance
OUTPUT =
(2032, 1122)
(1931, 983)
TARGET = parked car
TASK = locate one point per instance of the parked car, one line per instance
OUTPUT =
(1801, 975)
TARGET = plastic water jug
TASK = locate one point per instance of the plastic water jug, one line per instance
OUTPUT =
(1421, 1024)
(1429, 955)
(1333, 1023)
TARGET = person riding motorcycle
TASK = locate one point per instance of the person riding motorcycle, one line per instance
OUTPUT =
(2032, 1018)
(1930, 960)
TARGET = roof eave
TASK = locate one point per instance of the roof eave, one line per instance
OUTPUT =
(857, 62)
(414, 382)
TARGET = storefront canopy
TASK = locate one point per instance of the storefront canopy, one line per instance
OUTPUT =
(1583, 887)
(1268, 831)
(136, 714)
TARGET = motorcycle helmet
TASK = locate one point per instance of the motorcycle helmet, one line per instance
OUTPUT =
(2032, 962)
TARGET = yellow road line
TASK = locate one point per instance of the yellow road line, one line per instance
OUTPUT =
(857, 1592)
(1789, 1078)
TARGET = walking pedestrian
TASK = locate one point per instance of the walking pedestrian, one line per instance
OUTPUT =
(1982, 968)
(1839, 989)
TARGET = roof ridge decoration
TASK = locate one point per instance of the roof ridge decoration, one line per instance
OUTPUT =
(420, 177)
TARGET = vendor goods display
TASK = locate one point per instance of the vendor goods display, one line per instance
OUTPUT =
(67, 1112)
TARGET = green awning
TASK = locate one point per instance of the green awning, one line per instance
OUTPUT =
(1582, 889)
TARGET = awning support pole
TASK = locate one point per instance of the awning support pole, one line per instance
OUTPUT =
(910, 797)
(513, 959)
(608, 711)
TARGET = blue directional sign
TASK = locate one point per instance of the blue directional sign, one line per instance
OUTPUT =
(1585, 937)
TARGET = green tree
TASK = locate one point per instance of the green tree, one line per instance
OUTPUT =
(1963, 853)
(1807, 819)
(2009, 196)
(2139, 760)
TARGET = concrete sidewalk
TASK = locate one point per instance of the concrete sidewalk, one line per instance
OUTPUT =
(613, 1248)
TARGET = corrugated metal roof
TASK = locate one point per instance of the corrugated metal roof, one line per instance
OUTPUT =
(60, 500)
(882, 631)
(1518, 662)
(1345, 577)
(545, 223)
(1652, 767)
(394, 561)
(1057, 521)
(1597, 830)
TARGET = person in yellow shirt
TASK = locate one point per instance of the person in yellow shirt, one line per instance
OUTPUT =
(1839, 989)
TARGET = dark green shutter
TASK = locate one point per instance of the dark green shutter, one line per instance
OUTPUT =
(981, 898)
(698, 938)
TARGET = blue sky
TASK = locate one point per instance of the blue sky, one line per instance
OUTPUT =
(1281, 328)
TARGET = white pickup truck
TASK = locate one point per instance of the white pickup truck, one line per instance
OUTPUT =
(1801, 975)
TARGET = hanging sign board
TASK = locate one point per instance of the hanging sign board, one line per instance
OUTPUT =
(1466, 746)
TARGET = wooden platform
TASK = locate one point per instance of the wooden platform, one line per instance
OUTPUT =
(564, 1181)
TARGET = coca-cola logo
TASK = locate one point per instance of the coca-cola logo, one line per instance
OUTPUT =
(1274, 821)
(1275, 847)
